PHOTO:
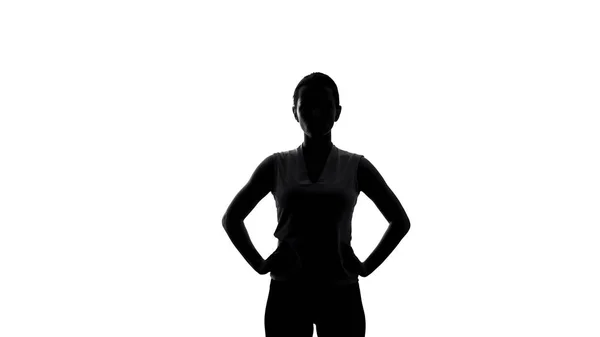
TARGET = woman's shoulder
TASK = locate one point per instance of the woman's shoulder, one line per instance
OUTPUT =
(349, 154)
(284, 153)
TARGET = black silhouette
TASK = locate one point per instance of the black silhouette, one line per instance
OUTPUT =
(314, 271)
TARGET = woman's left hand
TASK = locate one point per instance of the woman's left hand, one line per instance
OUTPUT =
(354, 264)
(362, 269)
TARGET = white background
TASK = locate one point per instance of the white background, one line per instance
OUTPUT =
(127, 127)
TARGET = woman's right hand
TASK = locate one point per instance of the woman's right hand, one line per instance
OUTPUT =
(283, 259)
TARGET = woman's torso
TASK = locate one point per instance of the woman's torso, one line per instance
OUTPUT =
(315, 200)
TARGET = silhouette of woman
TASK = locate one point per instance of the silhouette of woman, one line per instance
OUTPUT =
(314, 271)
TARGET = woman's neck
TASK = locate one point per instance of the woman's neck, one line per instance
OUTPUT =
(318, 147)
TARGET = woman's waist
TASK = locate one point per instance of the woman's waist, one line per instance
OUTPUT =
(307, 279)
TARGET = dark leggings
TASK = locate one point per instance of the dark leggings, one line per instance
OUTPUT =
(293, 308)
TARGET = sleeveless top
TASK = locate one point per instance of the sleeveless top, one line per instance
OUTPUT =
(314, 220)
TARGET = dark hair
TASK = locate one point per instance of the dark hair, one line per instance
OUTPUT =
(318, 79)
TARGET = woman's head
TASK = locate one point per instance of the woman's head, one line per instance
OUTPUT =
(316, 104)
(317, 80)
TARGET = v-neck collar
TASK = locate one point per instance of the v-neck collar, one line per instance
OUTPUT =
(304, 166)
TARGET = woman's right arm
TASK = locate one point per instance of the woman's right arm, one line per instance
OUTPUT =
(259, 185)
